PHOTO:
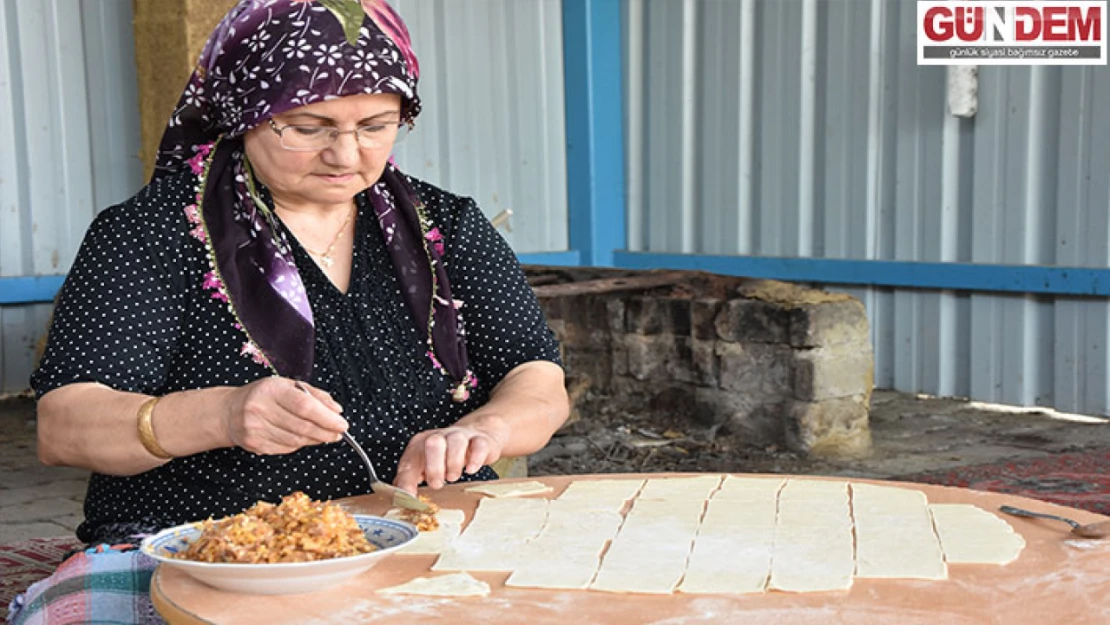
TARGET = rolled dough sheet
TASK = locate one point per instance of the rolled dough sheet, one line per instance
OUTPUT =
(512, 489)
(970, 535)
(435, 541)
(452, 585)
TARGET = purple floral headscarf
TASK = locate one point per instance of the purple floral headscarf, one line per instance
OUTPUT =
(267, 57)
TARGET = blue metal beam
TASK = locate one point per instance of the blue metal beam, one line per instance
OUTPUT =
(595, 128)
(569, 258)
(29, 290)
(1076, 281)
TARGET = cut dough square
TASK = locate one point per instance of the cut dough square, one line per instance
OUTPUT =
(814, 580)
(734, 487)
(493, 539)
(513, 519)
(570, 573)
(673, 489)
(867, 495)
(639, 576)
(602, 489)
(435, 541)
(478, 556)
(512, 489)
(970, 535)
(453, 585)
(735, 513)
(893, 564)
(808, 490)
(727, 565)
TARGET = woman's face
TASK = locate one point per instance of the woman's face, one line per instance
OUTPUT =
(334, 174)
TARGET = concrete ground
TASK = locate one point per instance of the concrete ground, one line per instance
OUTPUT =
(911, 435)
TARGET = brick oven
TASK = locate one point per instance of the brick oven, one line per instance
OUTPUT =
(778, 363)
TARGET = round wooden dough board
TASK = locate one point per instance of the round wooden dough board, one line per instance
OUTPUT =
(1058, 578)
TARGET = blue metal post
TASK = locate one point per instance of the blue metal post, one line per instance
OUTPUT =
(593, 74)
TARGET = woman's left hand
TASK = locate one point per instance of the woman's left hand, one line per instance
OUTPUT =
(440, 456)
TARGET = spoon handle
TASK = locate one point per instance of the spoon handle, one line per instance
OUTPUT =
(1026, 513)
(362, 454)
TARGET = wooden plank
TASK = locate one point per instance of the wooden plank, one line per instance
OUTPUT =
(614, 285)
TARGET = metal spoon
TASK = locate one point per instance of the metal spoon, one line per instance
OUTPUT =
(401, 498)
(1090, 530)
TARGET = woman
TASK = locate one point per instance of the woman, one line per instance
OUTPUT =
(278, 247)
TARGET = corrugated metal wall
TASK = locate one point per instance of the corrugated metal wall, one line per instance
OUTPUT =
(492, 128)
(493, 125)
(69, 118)
(806, 129)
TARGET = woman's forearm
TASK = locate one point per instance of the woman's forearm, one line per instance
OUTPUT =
(525, 409)
(94, 427)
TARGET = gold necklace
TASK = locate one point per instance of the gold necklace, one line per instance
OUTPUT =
(326, 258)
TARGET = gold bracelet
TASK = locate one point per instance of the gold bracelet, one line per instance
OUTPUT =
(146, 430)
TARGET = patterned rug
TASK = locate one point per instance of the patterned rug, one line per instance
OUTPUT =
(28, 561)
(1078, 480)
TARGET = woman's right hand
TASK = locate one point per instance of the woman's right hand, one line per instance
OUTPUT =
(275, 416)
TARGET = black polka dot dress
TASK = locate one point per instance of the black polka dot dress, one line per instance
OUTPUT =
(134, 315)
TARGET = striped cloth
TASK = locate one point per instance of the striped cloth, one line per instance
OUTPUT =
(103, 584)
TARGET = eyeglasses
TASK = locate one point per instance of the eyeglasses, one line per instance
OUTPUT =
(312, 138)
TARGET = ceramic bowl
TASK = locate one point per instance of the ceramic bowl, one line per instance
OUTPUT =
(283, 577)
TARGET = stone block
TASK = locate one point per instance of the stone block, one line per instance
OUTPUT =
(678, 315)
(845, 370)
(833, 428)
(759, 369)
(657, 315)
(753, 321)
(615, 313)
(626, 389)
(704, 366)
(703, 318)
(620, 354)
(677, 401)
(594, 364)
(558, 328)
(643, 315)
(578, 392)
(588, 311)
(829, 323)
(756, 420)
(658, 357)
(585, 322)
(552, 307)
